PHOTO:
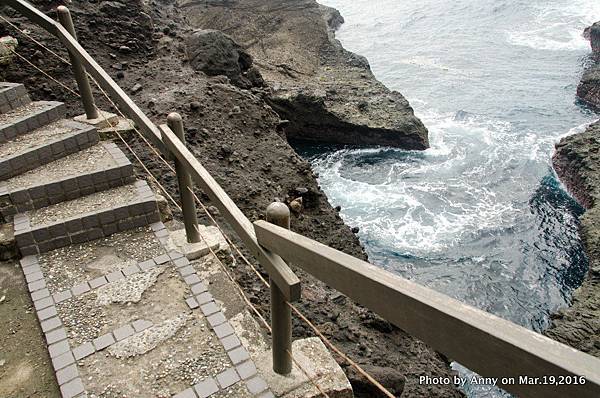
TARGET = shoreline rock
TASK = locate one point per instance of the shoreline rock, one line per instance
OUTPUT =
(577, 163)
(588, 89)
(327, 94)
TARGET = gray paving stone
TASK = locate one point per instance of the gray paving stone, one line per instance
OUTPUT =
(223, 330)
(37, 285)
(230, 342)
(103, 341)
(216, 319)
(189, 393)
(43, 303)
(228, 378)
(238, 355)
(58, 349)
(40, 294)
(115, 276)
(163, 258)
(28, 260)
(256, 385)
(157, 226)
(198, 288)
(81, 288)
(185, 271)
(209, 308)
(204, 298)
(35, 276)
(266, 394)
(47, 313)
(96, 283)
(174, 254)
(141, 324)
(206, 387)
(146, 265)
(63, 360)
(192, 279)
(132, 269)
(123, 332)
(246, 369)
(31, 269)
(56, 335)
(192, 303)
(84, 350)
(50, 324)
(62, 296)
(72, 388)
(181, 262)
(67, 374)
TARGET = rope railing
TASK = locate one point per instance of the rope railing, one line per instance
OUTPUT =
(420, 311)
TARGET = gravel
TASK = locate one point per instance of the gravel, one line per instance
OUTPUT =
(71, 265)
(84, 162)
(42, 136)
(9, 117)
(92, 203)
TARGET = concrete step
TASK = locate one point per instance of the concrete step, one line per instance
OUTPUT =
(44, 145)
(29, 117)
(93, 169)
(86, 218)
(12, 96)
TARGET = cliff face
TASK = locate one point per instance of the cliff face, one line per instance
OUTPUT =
(236, 135)
(577, 162)
(589, 87)
(326, 93)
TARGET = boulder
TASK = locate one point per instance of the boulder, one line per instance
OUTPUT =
(592, 33)
(215, 53)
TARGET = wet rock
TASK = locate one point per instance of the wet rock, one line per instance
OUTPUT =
(355, 230)
(296, 205)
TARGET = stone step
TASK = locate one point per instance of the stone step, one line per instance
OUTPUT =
(86, 218)
(12, 96)
(44, 145)
(93, 169)
(29, 117)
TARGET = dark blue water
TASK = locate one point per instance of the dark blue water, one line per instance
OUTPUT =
(481, 215)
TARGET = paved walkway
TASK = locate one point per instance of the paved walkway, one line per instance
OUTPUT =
(123, 311)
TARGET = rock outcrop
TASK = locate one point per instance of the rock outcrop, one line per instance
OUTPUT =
(577, 162)
(589, 87)
(215, 53)
(327, 93)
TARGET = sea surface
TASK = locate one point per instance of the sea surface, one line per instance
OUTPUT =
(481, 215)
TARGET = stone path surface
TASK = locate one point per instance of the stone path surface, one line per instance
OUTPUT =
(124, 312)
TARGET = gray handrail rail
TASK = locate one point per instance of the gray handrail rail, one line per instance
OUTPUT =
(103, 79)
(485, 343)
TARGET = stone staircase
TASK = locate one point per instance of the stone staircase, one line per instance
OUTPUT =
(124, 311)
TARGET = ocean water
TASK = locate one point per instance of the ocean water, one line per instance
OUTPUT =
(481, 215)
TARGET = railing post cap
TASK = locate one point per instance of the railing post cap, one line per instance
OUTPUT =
(62, 10)
(278, 209)
(174, 117)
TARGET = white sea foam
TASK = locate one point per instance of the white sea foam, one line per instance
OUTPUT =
(558, 27)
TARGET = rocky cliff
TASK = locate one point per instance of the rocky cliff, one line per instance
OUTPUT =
(589, 87)
(151, 51)
(326, 93)
(577, 163)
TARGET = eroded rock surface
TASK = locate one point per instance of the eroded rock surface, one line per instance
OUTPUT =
(327, 93)
(589, 87)
(577, 162)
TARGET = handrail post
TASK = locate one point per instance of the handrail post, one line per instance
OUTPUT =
(85, 90)
(281, 314)
(184, 180)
